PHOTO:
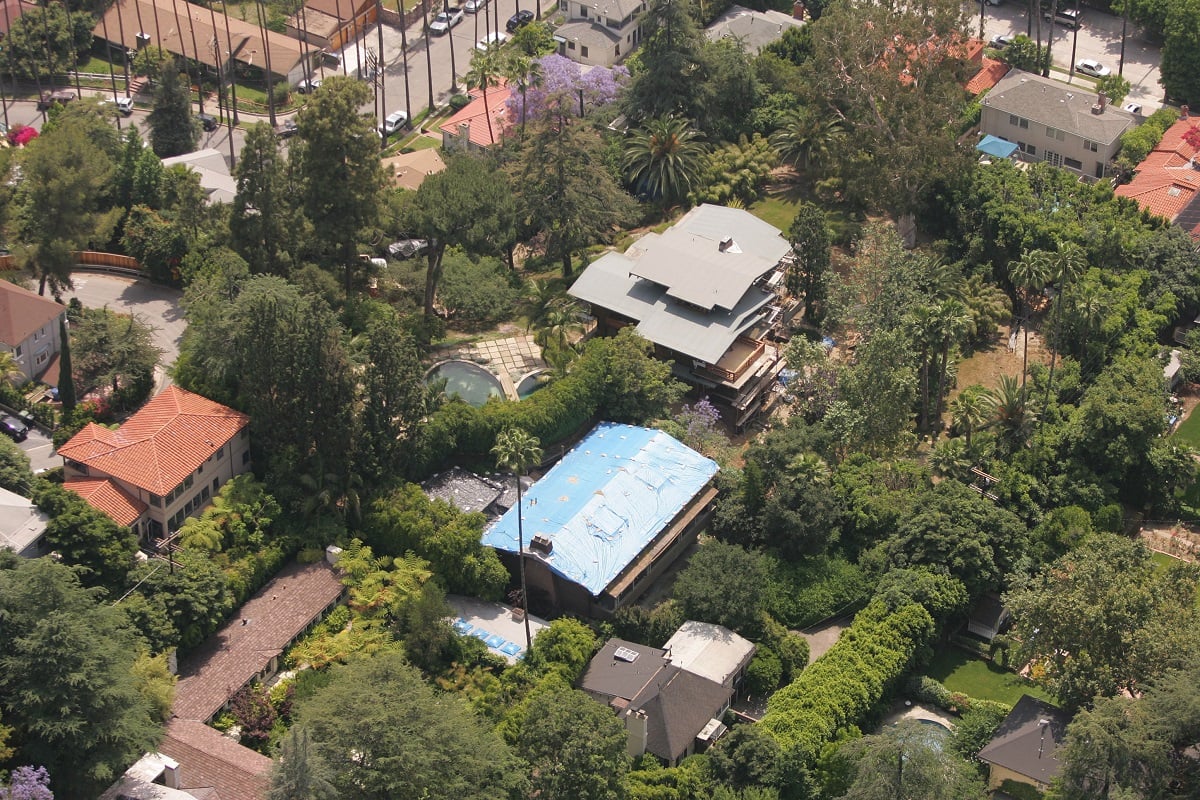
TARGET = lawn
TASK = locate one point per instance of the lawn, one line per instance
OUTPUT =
(960, 671)
(1188, 431)
(778, 210)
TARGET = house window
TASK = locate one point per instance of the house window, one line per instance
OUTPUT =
(1091, 147)
(187, 507)
(41, 358)
(244, 432)
(18, 351)
(617, 50)
(1055, 134)
(156, 501)
(204, 495)
(220, 453)
(1027, 149)
(246, 457)
(563, 6)
(570, 45)
(216, 484)
(1052, 158)
(1073, 164)
(583, 51)
(583, 12)
(1020, 122)
(187, 482)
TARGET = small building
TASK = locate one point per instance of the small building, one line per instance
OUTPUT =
(991, 71)
(989, 617)
(608, 519)
(29, 329)
(218, 183)
(22, 525)
(468, 129)
(464, 490)
(711, 651)
(163, 465)
(409, 170)
(599, 33)
(753, 30)
(1025, 747)
(707, 292)
(1167, 182)
(351, 18)
(668, 711)
(1065, 126)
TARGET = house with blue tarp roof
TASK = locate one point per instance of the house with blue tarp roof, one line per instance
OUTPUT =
(608, 518)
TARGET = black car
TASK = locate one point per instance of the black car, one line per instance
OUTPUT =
(286, 129)
(207, 121)
(13, 427)
(518, 20)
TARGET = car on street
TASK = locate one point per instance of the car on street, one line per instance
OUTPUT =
(1090, 66)
(445, 20)
(993, 2)
(395, 121)
(1000, 41)
(471, 6)
(207, 121)
(1132, 108)
(13, 428)
(518, 20)
(493, 39)
(286, 129)
(308, 86)
(48, 100)
(1068, 17)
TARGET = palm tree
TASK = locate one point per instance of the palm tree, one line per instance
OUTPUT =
(952, 459)
(10, 369)
(428, 51)
(952, 321)
(805, 137)
(1066, 266)
(664, 158)
(516, 450)
(1012, 413)
(525, 73)
(987, 305)
(485, 72)
(404, 53)
(972, 409)
(1029, 275)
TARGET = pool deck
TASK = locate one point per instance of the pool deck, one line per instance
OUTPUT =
(495, 621)
(510, 359)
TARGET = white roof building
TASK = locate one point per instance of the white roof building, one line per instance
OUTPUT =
(21, 525)
(711, 651)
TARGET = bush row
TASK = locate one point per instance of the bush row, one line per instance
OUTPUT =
(923, 689)
(1137, 143)
(846, 684)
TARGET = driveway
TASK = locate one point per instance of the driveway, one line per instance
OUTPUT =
(1098, 37)
(40, 450)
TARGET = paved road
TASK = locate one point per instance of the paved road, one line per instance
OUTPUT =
(40, 450)
(1099, 38)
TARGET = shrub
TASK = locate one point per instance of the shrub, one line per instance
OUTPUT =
(764, 672)
(1019, 790)
(458, 102)
(803, 594)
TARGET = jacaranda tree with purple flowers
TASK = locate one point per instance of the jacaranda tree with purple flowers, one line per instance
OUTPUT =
(28, 783)
(563, 90)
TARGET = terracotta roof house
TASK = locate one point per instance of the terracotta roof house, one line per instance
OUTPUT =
(213, 766)
(22, 525)
(11, 12)
(988, 76)
(1167, 183)
(668, 711)
(469, 130)
(163, 465)
(29, 330)
(409, 170)
(599, 33)
(187, 30)
(707, 294)
(1050, 121)
(608, 519)
(1025, 746)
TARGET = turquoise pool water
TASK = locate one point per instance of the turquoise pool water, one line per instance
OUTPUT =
(474, 384)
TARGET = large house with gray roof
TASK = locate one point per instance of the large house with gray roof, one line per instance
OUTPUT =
(599, 33)
(1068, 126)
(707, 293)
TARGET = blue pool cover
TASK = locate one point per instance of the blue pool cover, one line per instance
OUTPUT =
(605, 501)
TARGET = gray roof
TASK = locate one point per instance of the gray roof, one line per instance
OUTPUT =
(21, 523)
(688, 260)
(1066, 108)
(464, 490)
(620, 9)
(611, 677)
(989, 611)
(753, 29)
(587, 33)
(1028, 740)
(678, 704)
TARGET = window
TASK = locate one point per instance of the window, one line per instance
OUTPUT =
(187, 482)
(17, 353)
(204, 495)
(187, 507)
(583, 12)
(246, 457)
(216, 484)
(617, 50)
(1055, 134)
(1020, 122)
(220, 453)
(570, 45)
(1073, 164)
(155, 501)
(41, 358)
(1027, 149)
(1052, 158)
(1091, 146)
(583, 51)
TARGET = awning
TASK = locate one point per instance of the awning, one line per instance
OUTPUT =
(996, 147)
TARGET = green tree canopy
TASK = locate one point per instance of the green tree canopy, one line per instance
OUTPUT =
(576, 747)
(173, 131)
(723, 583)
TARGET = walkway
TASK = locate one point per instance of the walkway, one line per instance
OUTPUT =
(510, 359)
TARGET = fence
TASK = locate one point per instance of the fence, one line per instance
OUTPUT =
(90, 259)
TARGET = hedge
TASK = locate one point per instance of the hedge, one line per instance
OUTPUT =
(923, 689)
(847, 683)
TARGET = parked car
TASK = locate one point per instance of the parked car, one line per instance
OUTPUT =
(125, 105)
(286, 129)
(445, 20)
(308, 86)
(1063, 16)
(1089, 66)
(493, 39)
(395, 121)
(471, 6)
(1132, 108)
(207, 121)
(518, 20)
(1000, 41)
(50, 99)
(13, 428)
(993, 2)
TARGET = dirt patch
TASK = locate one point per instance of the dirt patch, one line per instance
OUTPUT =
(822, 638)
(1179, 540)
(987, 365)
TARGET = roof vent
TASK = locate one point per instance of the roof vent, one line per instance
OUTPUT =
(625, 654)
(728, 245)
(541, 544)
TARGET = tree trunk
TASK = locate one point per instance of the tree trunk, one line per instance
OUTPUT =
(433, 273)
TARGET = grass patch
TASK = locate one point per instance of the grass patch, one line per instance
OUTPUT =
(1162, 561)
(1188, 431)
(962, 672)
(778, 210)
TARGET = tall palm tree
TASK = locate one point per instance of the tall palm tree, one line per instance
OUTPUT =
(428, 51)
(404, 55)
(525, 73)
(485, 72)
(516, 450)
(664, 159)
(1066, 266)
(972, 409)
(1029, 275)
(806, 137)
(1013, 415)
(953, 321)
(450, 39)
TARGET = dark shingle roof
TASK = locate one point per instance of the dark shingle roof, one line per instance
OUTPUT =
(678, 704)
(1063, 107)
(210, 761)
(1028, 739)
(610, 676)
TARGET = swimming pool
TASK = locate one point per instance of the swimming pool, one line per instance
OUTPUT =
(474, 384)
(531, 383)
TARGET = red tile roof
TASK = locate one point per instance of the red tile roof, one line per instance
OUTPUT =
(209, 760)
(988, 76)
(473, 115)
(245, 645)
(104, 495)
(22, 312)
(1166, 180)
(161, 444)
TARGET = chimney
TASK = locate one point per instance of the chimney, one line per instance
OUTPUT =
(637, 724)
(1102, 101)
(332, 554)
(1183, 111)
(798, 10)
(726, 244)
(464, 132)
(170, 773)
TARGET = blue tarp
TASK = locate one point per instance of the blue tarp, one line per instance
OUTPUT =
(605, 501)
(996, 147)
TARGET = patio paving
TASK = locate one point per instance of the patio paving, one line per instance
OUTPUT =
(493, 624)
(510, 359)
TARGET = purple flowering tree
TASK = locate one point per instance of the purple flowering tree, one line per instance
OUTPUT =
(563, 87)
(28, 783)
(699, 423)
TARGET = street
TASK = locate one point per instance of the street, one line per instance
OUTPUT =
(1099, 38)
